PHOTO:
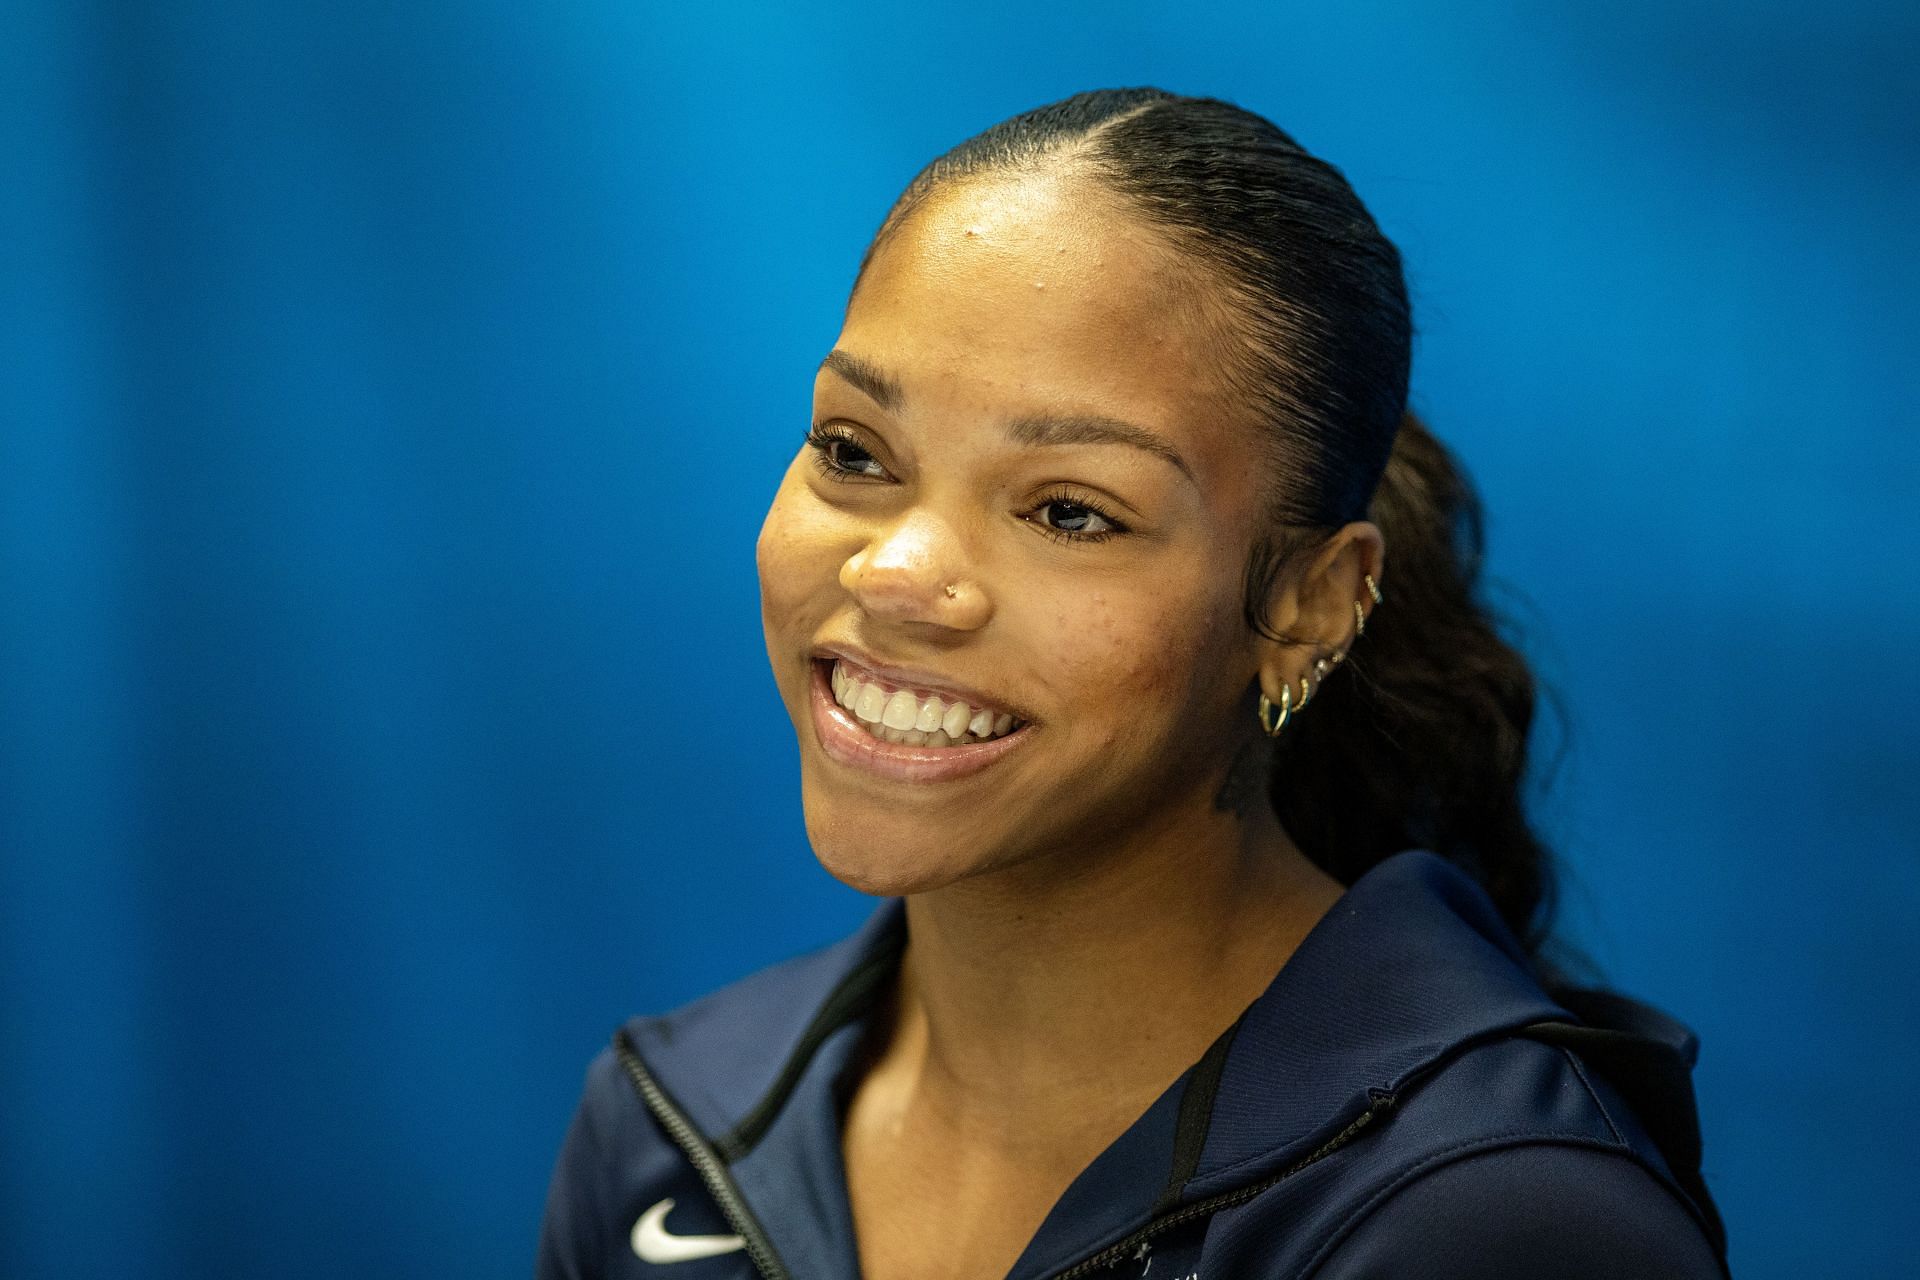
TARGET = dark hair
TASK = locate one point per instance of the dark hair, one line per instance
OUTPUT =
(1423, 741)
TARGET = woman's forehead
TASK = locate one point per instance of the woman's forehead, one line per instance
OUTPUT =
(1020, 289)
(1040, 248)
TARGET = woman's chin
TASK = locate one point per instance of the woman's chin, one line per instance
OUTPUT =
(885, 851)
(893, 858)
(891, 869)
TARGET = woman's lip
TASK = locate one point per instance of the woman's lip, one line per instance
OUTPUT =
(900, 678)
(842, 738)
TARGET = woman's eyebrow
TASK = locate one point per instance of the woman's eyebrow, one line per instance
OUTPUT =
(1034, 430)
(880, 387)
(1085, 428)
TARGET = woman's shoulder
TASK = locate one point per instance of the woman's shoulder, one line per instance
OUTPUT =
(1517, 1157)
(1533, 1208)
(1514, 1156)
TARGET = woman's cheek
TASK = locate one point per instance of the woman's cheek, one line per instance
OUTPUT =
(1124, 648)
(794, 552)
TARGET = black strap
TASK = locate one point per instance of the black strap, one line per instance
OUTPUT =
(1657, 1082)
(1195, 1118)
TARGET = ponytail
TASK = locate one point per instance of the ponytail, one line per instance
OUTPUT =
(1420, 740)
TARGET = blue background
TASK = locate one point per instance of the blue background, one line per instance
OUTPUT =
(391, 396)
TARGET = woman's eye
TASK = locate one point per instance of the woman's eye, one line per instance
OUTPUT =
(839, 456)
(1074, 520)
(1077, 518)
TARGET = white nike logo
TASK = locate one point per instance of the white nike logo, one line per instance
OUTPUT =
(653, 1243)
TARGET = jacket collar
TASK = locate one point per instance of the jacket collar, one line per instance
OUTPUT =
(1411, 964)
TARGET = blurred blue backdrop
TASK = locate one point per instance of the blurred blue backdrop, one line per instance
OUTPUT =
(390, 398)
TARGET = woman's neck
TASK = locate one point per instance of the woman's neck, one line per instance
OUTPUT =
(1100, 980)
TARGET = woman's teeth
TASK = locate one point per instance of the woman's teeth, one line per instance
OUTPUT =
(898, 716)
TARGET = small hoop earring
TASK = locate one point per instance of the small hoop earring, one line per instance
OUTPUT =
(1305, 693)
(1359, 619)
(1286, 708)
(1373, 590)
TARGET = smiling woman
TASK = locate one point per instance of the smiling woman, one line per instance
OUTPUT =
(1105, 470)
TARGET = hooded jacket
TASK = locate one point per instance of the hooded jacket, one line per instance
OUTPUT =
(1404, 1100)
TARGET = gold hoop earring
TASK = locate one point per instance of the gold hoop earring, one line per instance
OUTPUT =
(1305, 693)
(1286, 708)
(1373, 590)
(1359, 619)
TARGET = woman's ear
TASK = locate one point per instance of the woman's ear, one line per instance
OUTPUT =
(1315, 607)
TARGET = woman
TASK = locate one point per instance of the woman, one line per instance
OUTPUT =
(1209, 943)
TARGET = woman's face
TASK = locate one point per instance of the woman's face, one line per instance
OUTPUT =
(990, 533)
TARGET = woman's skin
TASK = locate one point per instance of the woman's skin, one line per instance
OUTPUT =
(1088, 913)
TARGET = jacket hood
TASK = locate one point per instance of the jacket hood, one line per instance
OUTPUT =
(1412, 965)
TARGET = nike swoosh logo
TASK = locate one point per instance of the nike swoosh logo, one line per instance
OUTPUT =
(652, 1242)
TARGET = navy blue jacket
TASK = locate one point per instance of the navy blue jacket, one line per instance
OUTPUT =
(1404, 1100)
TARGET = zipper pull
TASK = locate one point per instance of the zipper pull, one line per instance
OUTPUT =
(1141, 1253)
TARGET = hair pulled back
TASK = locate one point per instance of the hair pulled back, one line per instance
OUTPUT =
(1420, 738)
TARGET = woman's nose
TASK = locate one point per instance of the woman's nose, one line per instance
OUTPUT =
(912, 570)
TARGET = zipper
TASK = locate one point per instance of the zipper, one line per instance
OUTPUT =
(1140, 1243)
(712, 1170)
